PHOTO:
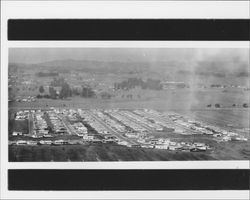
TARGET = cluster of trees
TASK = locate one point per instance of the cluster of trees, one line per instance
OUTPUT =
(57, 82)
(52, 93)
(135, 82)
(65, 90)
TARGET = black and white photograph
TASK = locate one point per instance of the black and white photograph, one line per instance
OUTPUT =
(125, 100)
(128, 104)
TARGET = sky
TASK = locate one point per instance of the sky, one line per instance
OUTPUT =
(39, 55)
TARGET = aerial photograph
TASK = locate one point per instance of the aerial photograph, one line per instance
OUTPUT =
(128, 104)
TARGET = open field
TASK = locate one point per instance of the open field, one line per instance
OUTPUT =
(183, 99)
(96, 153)
(236, 118)
(109, 152)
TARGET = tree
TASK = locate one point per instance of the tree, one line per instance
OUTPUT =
(65, 91)
(52, 92)
(105, 95)
(87, 92)
(41, 89)
(217, 105)
(245, 105)
(75, 92)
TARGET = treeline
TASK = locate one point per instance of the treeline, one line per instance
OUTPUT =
(202, 73)
(243, 74)
(60, 89)
(131, 83)
(215, 74)
(217, 86)
(217, 105)
(46, 74)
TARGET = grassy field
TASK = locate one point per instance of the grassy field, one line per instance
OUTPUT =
(183, 99)
(226, 118)
(91, 152)
(96, 153)
(18, 126)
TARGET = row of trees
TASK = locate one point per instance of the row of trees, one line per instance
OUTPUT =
(244, 105)
(217, 105)
(138, 82)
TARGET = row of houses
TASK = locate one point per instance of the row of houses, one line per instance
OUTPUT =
(130, 124)
(22, 115)
(97, 126)
(110, 122)
(162, 120)
(135, 135)
(26, 99)
(40, 142)
(198, 127)
(58, 126)
(80, 129)
(159, 124)
(105, 136)
(144, 121)
(165, 143)
(40, 126)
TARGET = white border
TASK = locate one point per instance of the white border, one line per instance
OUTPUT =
(112, 9)
(129, 44)
(192, 195)
(235, 164)
(127, 9)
